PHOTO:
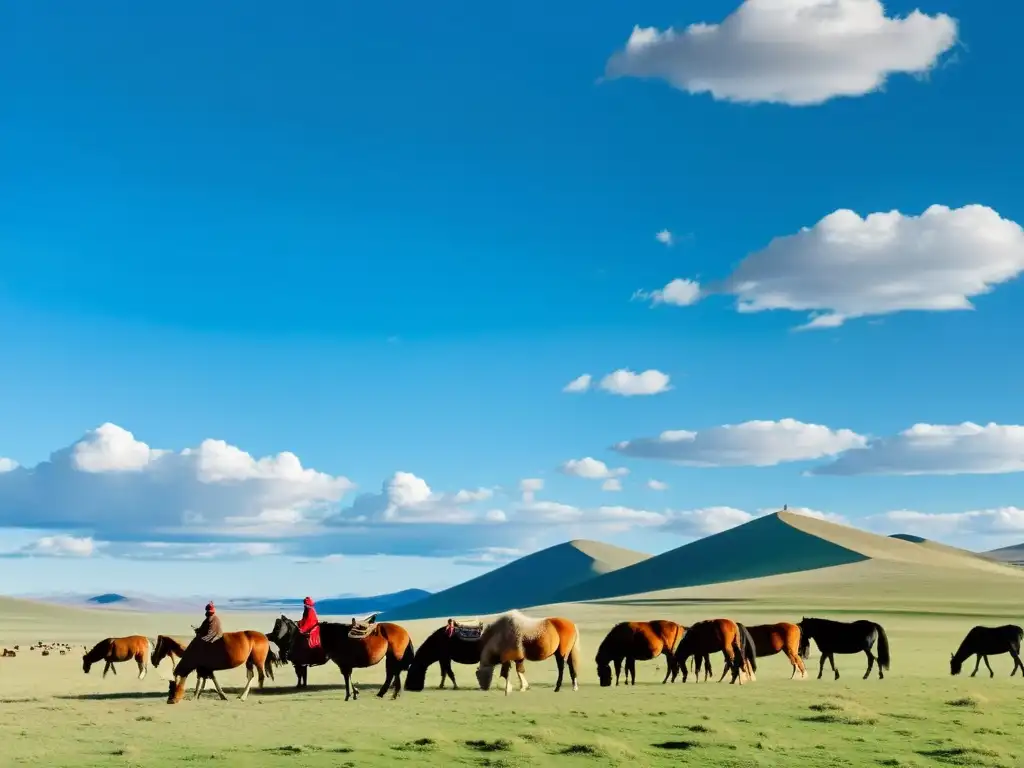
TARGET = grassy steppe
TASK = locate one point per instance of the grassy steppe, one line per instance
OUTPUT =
(51, 713)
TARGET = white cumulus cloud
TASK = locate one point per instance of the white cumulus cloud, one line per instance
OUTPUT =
(611, 484)
(591, 469)
(936, 449)
(797, 52)
(665, 237)
(579, 384)
(529, 486)
(489, 557)
(679, 293)
(752, 443)
(111, 483)
(60, 546)
(657, 485)
(629, 383)
(1001, 521)
(7, 465)
(847, 267)
(406, 498)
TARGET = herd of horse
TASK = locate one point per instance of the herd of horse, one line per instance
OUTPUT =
(512, 639)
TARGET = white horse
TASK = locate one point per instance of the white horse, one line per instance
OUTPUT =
(515, 638)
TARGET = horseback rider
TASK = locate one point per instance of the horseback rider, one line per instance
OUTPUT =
(309, 624)
(450, 627)
(210, 630)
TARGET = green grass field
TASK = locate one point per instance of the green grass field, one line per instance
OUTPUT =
(51, 713)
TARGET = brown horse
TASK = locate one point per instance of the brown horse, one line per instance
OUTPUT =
(770, 639)
(712, 636)
(232, 650)
(113, 650)
(361, 645)
(513, 638)
(172, 648)
(638, 640)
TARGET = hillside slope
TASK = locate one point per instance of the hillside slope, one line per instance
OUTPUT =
(781, 543)
(531, 580)
(1013, 555)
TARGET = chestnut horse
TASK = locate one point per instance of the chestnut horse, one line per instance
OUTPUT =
(769, 639)
(443, 648)
(513, 638)
(229, 651)
(712, 636)
(117, 649)
(638, 640)
(384, 640)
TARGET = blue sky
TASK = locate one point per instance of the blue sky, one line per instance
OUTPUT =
(385, 243)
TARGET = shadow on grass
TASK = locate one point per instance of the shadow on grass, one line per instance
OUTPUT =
(230, 692)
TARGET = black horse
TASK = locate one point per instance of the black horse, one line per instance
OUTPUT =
(443, 648)
(989, 641)
(294, 648)
(834, 637)
(749, 651)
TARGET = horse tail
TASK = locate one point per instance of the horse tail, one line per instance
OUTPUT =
(749, 648)
(883, 647)
(575, 650)
(410, 653)
(803, 647)
(272, 660)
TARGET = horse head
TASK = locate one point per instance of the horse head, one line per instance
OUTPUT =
(175, 690)
(415, 676)
(604, 673)
(484, 676)
(86, 664)
(954, 665)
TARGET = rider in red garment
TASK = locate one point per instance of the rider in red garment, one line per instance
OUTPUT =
(309, 624)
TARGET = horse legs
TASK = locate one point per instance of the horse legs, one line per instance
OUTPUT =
(524, 685)
(107, 668)
(141, 660)
(249, 675)
(990, 672)
(560, 663)
(871, 663)
(794, 659)
(821, 665)
(216, 685)
(832, 661)
(670, 668)
(447, 671)
(572, 673)
(506, 667)
(618, 670)
(389, 674)
(1016, 663)
(200, 685)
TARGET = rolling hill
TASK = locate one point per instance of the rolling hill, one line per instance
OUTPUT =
(780, 543)
(532, 580)
(1013, 555)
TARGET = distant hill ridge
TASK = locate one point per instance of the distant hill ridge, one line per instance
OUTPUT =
(532, 580)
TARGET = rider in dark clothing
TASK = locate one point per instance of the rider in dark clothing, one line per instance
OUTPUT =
(210, 630)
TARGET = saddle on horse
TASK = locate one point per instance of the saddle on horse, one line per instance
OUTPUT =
(467, 630)
(360, 629)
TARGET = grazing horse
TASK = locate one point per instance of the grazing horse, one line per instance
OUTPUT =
(117, 649)
(231, 650)
(513, 638)
(444, 647)
(769, 639)
(834, 637)
(638, 640)
(173, 649)
(363, 644)
(294, 648)
(711, 636)
(989, 641)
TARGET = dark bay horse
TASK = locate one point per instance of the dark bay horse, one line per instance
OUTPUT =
(442, 647)
(232, 650)
(989, 641)
(117, 649)
(845, 637)
(714, 635)
(383, 640)
(633, 641)
(770, 639)
(293, 647)
(514, 638)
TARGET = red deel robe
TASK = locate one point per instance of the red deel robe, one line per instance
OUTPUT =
(311, 624)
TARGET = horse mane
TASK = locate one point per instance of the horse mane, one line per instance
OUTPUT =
(99, 650)
(512, 627)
